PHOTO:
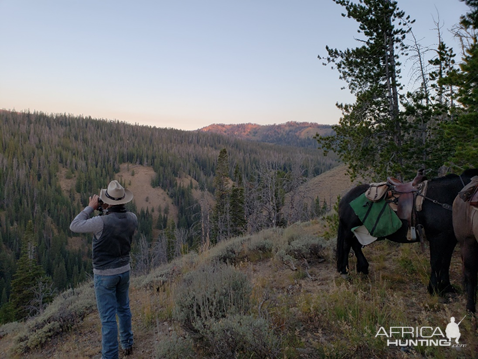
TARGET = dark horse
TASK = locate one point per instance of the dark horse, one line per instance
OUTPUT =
(465, 224)
(435, 218)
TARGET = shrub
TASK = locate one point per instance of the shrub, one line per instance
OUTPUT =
(9, 328)
(249, 248)
(242, 336)
(230, 251)
(42, 335)
(209, 293)
(175, 347)
(67, 310)
(259, 249)
(157, 277)
(307, 248)
(293, 233)
(229, 254)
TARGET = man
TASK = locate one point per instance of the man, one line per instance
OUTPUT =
(113, 234)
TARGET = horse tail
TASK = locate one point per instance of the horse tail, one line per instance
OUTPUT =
(347, 220)
(343, 246)
(340, 248)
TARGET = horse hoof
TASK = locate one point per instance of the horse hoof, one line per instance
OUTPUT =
(345, 276)
(443, 300)
(450, 290)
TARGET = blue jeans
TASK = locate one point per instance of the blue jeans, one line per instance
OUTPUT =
(112, 298)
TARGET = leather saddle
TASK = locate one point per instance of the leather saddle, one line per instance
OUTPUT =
(404, 195)
(470, 192)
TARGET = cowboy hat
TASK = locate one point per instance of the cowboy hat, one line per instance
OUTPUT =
(115, 194)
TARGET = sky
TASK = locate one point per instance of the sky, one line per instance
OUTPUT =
(186, 64)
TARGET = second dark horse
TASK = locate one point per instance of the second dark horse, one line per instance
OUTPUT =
(435, 217)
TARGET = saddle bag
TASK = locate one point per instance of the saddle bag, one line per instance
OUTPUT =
(378, 217)
(376, 191)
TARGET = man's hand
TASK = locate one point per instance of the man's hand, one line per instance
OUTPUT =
(93, 202)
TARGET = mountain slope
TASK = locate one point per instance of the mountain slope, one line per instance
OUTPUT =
(330, 184)
(291, 133)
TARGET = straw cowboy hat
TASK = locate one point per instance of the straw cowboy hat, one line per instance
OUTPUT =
(115, 194)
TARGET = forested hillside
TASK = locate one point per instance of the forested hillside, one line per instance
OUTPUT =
(40, 152)
(292, 133)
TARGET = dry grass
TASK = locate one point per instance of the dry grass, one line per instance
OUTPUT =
(315, 313)
(328, 186)
(138, 178)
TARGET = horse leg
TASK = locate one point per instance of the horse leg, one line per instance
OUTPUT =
(441, 251)
(362, 263)
(469, 256)
(434, 273)
(444, 284)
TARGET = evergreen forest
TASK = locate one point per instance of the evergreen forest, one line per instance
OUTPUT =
(247, 179)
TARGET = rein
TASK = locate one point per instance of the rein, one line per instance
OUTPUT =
(444, 205)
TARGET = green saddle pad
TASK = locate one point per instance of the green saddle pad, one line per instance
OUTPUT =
(379, 219)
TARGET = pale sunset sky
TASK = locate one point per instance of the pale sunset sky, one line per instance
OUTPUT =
(186, 64)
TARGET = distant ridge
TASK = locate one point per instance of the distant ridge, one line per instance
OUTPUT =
(291, 133)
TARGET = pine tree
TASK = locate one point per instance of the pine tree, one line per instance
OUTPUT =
(221, 212)
(237, 206)
(60, 276)
(369, 137)
(471, 18)
(27, 277)
(463, 131)
(169, 233)
(7, 313)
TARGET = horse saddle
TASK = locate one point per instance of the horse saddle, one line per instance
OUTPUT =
(401, 197)
(470, 192)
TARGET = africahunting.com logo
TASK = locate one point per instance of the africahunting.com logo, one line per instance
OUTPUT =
(423, 336)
